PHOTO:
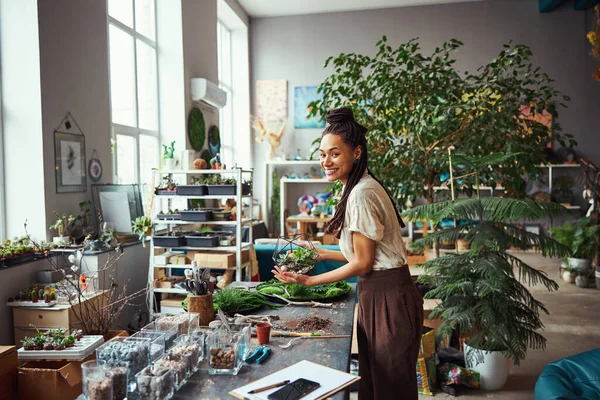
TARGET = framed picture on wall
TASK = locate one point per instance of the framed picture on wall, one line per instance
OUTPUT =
(70, 164)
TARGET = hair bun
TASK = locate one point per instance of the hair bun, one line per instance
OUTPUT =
(338, 115)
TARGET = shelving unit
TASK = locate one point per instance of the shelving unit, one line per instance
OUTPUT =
(269, 165)
(238, 174)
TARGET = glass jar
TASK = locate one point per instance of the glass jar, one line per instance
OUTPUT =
(223, 352)
(185, 322)
(134, 351)
(155, 383)
(244, 331)
(157, 342)
(178, 363)
(169, 330)
(186, 344)
(119, 374)
(96, 383)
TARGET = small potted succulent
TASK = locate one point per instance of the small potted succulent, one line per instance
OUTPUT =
(167, 187)
(142, 226)
(59, 344)
(70, 341)
(168, 156)
(49, 344)
(28, 343)
(61, 226)
(39, 341)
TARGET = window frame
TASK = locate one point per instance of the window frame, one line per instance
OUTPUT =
(2, 184)
(134, 131)
(226, 144)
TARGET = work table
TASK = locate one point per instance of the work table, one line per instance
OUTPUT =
(333, 353)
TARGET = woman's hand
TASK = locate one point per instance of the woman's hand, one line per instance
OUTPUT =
(290, 277)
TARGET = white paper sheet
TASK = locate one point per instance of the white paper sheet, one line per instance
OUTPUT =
(115, 209)
(329, 379)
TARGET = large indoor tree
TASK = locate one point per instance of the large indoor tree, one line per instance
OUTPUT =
(416, 106)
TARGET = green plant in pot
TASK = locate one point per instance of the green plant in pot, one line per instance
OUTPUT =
(62, 226)
(581, 237)
(142, 226)
(483, 291)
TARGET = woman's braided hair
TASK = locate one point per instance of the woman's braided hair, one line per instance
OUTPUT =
(340, 121)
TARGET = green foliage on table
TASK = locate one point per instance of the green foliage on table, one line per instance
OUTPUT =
(581, 237)
(483, 291)
(417, 105)
(297, 291)
(234, 300)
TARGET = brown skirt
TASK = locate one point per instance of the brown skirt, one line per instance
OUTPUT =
(390, 322)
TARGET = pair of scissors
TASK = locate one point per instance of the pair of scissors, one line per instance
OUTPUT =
(260, 354)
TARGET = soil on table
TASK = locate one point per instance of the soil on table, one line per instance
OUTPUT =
(305, 324)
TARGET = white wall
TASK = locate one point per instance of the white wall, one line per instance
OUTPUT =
(74, 77)
(23, 168)
(295, 48)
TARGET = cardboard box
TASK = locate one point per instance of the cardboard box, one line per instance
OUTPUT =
(168, 284)
(51, 380)
(8, 372)
(178, 260)
(219, 259)
(172, 305)
(163, 258)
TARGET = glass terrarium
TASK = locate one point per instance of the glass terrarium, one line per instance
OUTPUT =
(295, 255)
(185, 344)
(224, 356)
(169, 330)
(178, 363)
(156, 383)
(135, 352)
(185, 322)
(96, 382)
(244, 331)
(157, 342)
(119, 374)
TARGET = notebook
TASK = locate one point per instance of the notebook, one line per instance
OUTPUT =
(331, 380)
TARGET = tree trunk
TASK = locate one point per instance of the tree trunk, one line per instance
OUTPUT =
(202, 305)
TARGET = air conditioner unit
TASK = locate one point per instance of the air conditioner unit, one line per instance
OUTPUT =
(207, 92)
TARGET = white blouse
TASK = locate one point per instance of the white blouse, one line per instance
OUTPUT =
(370, 212)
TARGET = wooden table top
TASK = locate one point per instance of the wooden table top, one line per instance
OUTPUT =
(307, 219)
(333, 353)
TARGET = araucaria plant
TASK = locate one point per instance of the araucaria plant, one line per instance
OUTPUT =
(483, 291)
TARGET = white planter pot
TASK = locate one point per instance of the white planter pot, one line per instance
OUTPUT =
(169, 163)
(581, 264)
(61, 240)
(568, 277)
(582, 281)
(493, 370)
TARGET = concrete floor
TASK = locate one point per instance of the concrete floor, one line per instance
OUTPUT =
(572, 326)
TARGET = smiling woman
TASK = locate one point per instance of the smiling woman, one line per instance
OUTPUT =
(390, 309)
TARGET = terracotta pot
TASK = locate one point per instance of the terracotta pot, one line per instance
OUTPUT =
(203, 305)
(263, 332)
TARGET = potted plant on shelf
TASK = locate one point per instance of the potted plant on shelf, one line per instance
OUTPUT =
(482, 291)
(167, 187)
(62, 226)
(200, 298)
(581, 237)
(142, 226)
(168, 156)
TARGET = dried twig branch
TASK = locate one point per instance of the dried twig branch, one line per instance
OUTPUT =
(303, 303)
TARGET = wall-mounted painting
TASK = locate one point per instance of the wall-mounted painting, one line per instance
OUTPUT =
(69, 150)
(271, 99)
(302, 96)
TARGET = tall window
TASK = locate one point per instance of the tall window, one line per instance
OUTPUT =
(225, 83)
(133, 89)
(2, 168)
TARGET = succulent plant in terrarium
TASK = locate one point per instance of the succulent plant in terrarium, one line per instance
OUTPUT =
(292, 255)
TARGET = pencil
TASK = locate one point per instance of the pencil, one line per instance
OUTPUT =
(262, 389)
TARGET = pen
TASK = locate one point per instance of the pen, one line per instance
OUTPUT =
(262, 389)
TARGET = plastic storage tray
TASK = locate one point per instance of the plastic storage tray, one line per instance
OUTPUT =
(192, 190)
(202, 240)
(169, 217)
(168, 241)
(81, 350)
(222, 190)
(222, 215)
(197, 215)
